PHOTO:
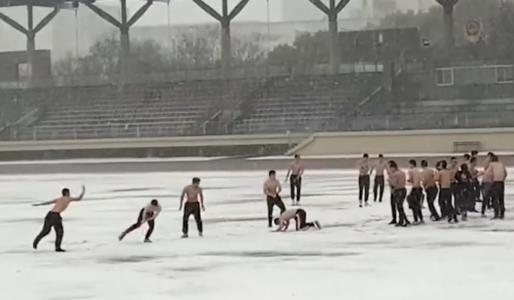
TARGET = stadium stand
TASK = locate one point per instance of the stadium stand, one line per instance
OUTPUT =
(151, 110)
(305, 103)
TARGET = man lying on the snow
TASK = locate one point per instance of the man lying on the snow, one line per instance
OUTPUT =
(300, 217)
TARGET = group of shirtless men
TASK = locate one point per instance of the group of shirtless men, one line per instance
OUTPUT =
(194, 204)
(459, 186)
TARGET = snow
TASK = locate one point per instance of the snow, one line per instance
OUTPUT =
(356, 256)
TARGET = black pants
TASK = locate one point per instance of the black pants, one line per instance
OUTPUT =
(364, 188)
(477, 191)
(399, 197)
(486, 195)
(272, 201)
(139, 222)
(54, 220)
(296, 187)
(301, 220)
(192, 208)
(446, 196)
(378, 188)
(415, 203)
(393, 206)
(464, 198)
(431, 193)
(498, 194)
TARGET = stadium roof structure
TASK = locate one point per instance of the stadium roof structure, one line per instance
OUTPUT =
(38, 3)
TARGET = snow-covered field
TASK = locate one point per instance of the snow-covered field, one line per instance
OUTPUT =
(356, 256)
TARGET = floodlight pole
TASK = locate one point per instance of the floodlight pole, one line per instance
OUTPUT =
(124, 26)
(30, 32)
(225, 18)
(332, 11)
(448, 8)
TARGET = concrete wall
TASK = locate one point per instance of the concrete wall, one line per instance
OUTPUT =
(412, 141)
(230, 145)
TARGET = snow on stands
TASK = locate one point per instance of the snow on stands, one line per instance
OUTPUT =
(356, 256)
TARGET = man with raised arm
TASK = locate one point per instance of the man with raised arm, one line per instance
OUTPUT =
(54, 220)
(194, 202)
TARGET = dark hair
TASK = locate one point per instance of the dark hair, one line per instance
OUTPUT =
(393, 164)
(467, 156)
(494, 158)
(365, 155)
(381, 155)
(464, 167)
(412, 162)
(473, 159)
(65, 192)
(272, 172)
(453, 158)
(196, 180)
(154, 202)
(297, 156)
(490, 154)
(276, 221)
(424, 163)
(444, 164)
(474, 153)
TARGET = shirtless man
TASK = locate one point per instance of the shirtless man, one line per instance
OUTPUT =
(147, 214)
(397, 180)
(444, 178)
(363, 166)
(54, 219)
(487, 184)
(296, 170)
(416, 192)
(454, 168)
(272, 189)
(475, 184)
(428, 176)
(300, 217)
(497, 171)
(194, 202)
(378, 184)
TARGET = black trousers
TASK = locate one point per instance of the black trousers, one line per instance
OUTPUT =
(192, 208)
(431, 193)
(301, 220)
(296, 187)
(498, 194)
(378, 188)
(414, 200)
(54, 220)
(139, 222)
(363, 187)
(393, 206)
(464, 198)
(272, 201)
(486, 195)
(446, 196)
(399, 197)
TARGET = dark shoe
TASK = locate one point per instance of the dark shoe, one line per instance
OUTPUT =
(60, 250)
(147, 241)
(393, 222)
(185, 236)
(34, 246)
(121, 236)
(200, 234)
